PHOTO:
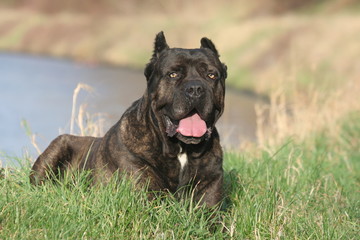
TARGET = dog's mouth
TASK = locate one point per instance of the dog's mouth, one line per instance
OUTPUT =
(191, 129)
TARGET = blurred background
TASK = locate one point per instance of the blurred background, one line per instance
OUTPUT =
(293, 64)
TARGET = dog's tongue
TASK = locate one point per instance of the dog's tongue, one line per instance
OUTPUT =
(192, 126)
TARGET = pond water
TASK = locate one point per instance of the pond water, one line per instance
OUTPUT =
(40, 90)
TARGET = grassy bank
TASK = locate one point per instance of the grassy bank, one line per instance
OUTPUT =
(300, 190)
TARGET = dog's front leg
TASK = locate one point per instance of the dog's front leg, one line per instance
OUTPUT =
(204, 173)
(64, 152)
(204, 187)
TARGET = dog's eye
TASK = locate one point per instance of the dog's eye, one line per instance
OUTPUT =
(211, 76)
(173, 75)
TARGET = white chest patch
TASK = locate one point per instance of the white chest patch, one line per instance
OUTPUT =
(182, 157)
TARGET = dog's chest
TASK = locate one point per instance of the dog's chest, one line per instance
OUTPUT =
(183, 159)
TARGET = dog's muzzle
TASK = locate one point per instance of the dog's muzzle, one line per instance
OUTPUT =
(191, 129)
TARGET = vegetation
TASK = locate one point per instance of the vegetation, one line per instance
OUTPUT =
(300, 180)
(300, 190)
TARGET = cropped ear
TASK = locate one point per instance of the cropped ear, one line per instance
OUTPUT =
(207, 43)
(224, 71)
(160, 44)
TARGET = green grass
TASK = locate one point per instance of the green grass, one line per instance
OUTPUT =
(303, 190)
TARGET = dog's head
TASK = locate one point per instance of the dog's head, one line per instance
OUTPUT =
(186, 90)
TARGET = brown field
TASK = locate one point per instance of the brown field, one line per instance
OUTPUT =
(303, 56)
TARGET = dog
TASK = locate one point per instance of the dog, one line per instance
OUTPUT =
(167, 139)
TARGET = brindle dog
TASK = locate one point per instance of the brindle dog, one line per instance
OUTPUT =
(167, 139)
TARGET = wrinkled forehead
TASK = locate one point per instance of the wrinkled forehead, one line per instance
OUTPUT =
(180, 56)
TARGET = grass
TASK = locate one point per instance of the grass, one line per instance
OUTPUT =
(301, 190)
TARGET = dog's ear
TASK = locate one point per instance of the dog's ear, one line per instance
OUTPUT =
(160, 44)
(224, 70)
(207, 43)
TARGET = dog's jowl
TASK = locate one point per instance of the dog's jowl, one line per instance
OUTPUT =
(167, 139)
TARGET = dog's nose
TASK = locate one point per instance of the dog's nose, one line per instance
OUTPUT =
(194, 89)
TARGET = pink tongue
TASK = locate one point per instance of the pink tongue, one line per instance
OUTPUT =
(192, 126)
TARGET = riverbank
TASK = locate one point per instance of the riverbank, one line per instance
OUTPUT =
(104, 94)
(262, 52)
(305, 63)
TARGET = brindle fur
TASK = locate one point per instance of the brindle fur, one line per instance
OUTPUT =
(138, 143)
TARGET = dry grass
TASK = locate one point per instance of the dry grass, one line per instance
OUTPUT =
(304, 113)
(31, 135)
(82, 122)
(80, 86)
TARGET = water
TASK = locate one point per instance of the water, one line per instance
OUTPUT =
(39, 90)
